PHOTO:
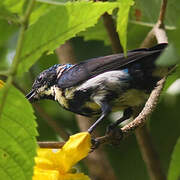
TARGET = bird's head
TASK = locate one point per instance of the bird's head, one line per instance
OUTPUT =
(41, 88)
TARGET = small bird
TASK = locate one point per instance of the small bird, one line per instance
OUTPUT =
(98, 86)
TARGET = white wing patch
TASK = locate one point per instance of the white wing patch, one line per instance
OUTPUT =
(107, 79)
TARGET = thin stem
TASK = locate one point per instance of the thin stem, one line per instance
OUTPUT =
(141, 23)
(162, 11)
(51, 144)
(27, 13)
(16, 59)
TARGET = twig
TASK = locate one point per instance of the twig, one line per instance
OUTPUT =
(15, 63)
(51, 144)
(162, 11)
(149, 107)
(151, 24)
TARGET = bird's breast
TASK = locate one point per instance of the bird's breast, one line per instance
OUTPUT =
(63, 97)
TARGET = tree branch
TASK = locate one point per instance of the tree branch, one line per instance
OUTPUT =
(113, 35)
(149, 154)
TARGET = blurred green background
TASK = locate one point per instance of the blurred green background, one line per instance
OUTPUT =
(164, 123)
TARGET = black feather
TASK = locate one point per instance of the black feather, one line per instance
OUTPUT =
(93, 67)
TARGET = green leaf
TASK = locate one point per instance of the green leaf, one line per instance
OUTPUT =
(172, 78)
(174, 169)
(7, 30)
(15, 6)
(58, 25)
(168, 57)
(17, 137)
(39, 10)
(175, 39)
(11, 9)
(97, 32)
(122, 21)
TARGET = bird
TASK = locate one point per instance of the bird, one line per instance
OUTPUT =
(98, 86)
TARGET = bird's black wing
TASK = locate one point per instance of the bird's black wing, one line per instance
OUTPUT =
(93, 67)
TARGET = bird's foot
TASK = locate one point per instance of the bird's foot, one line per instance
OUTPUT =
(116, 133)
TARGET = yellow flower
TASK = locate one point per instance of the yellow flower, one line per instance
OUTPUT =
(1, 83)
(56, 164)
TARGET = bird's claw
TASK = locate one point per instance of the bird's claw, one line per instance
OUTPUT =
(110, 129)
(95, 144)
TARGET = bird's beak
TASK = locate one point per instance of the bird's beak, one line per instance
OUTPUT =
(31, 96)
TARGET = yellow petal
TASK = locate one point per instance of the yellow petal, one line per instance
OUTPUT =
(44, 152)
(75, 149)
(46, 159)
(43, 163)
(1, 83)
(40, 174)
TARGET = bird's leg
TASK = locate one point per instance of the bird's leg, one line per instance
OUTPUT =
(126, 115)
(106, 109)
(113, 128)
